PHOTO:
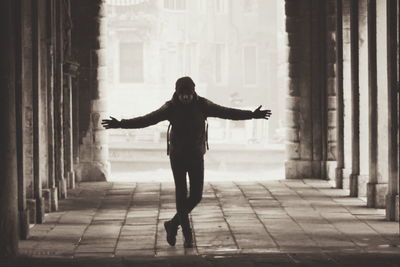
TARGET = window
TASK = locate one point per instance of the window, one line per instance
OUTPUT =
(175, 4)
(220, 6)
(131, 63)
(250, 64)
(220, 63)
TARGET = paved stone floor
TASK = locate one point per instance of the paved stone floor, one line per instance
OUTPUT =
(268, 223)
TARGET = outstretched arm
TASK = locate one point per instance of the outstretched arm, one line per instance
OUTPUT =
(214, 110)
(261, 114)
(138, 122)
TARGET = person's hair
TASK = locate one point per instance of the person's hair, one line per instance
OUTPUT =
(184, 82)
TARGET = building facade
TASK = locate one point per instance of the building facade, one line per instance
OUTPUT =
(229, 48)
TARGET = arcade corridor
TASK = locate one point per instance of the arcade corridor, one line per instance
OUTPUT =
(338, 204)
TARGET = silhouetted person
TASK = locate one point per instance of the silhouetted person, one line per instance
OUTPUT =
(187, 143)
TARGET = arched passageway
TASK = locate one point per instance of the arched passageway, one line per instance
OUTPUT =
(52, 112)
(234, 52)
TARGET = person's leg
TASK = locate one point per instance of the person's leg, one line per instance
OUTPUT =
(179, 173)
(196, 179)
(179, 169)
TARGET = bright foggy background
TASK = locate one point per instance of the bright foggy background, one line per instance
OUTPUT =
(234, 50)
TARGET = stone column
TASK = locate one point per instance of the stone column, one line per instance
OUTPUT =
(298, 114)
(377, 185)
(25, 112)
(347, 96)
(50, 104)
(311, 104)
(38, 123)
(19, 67)
(339, 93)
(67, 97)
(392, 30)
(318, 89)
(355, 98)
(331, 90)
(8, 151)
(94, 164)
(58, 102)
(363, 99)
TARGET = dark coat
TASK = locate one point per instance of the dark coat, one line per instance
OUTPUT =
(188, 133)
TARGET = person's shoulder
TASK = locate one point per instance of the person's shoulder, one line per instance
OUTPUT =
(203, 100)
(166, 106)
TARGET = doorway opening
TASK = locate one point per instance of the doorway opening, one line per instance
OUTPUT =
(234, 52)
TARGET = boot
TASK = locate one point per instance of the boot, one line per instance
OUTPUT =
(172, 230)
(188, 238)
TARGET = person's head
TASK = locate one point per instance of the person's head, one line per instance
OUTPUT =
(184, 89)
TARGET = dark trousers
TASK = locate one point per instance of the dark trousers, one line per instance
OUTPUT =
(194, 167)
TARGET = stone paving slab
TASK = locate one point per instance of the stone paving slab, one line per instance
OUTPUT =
(301, 218)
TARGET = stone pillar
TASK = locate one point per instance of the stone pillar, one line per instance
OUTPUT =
(50, 104)
(67, 98)
(25, 113)
(94, 164)
(298, 114)
(347, 96)
(310, 110)
(75, 120)
(393, 148)
(38, 140)
(355, 98)
(58, 102)
(8, 151)
(363, 176)
(377, 185)
(42, 104)
(331, 89)
(19, 67)
(339, 93)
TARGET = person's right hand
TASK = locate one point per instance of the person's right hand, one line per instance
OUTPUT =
(109, 124)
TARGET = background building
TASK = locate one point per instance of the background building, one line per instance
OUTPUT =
(231, 49)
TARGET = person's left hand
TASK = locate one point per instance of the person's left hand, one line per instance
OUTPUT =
(262, 114)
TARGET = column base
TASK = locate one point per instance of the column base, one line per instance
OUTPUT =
(305, 169)
(339, 178)
(71, 179)
(40, 210)
(346, 178)
(376, 195)
(24, 224)
(62, 189)
(362, 181)
(353, 185)
(330, 169)
(392, 207)
(54, 198)
(93, 171)
(31, 206)
(47, 200)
